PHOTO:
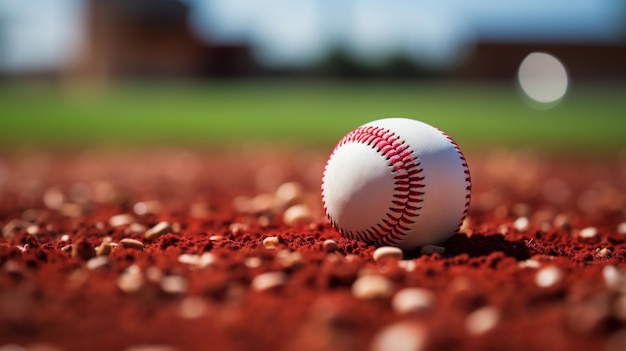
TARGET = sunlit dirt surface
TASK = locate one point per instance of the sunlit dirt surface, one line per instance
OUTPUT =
(161, 250)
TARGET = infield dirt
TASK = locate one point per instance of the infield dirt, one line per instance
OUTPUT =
(205, 250)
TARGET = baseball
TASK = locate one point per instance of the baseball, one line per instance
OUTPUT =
(398, 182)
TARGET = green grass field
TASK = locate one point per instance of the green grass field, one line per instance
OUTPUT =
(589, 119)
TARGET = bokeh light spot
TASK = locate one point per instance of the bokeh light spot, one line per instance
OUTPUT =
(543, 78)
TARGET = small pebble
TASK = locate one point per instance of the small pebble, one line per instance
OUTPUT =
(588, 232)
(97, 262)
(9, 229)
(174, 284)
(131, 279)
(192, 307)
(252, 262)
(603, 252)
(289, 193)
(529, 263)
(238, 228)
(548, 276)
(430, 249)
(199, 210)
(200, 261)
(521, 224)
(268, 281)
(158, 230)
(407, 265)
(621, 228)
(330, 245)
(262, 203)
(387, 252)
(482, 320)
(71, 210)
(216, 237)
(136, 228)
(120, 220)
(154, 274)
(207, 259)
(614, 278)
(32, 229)
(53, 198)
(270, 242)
(132, 244)
(372, 287)
(104, 249)
(13, 268)
(297, 214)
(288, 259)
(562, 221)
(147, 207)
(410, 300)
(400, 336)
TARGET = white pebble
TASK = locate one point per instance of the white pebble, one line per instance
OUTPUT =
(289, 193)
(154, 274)
(621, 228)
(548, 276)
(482, 320)
(588, 232)
(131, 279)
(268, 280)
(387, 252)
(121, 219)
(521, 224)
(613, 277)
(207, 259)
(158, 230)
(400, 336)
(270, 242)
(288, 258)
(410, 300)
(174, 284)
(97, 262)
(372, 287)
(407, 265)
(147, 207)
(529, 263)
(238, 228)
(297, 214)
(132, 244)
(331, 245)
(431, 249)
(53, 198)
(603, 252)
(189, 259)
(192, 307)
(199, 261)
(252, 262)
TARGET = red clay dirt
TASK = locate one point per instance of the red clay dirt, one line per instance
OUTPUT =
(539, 263)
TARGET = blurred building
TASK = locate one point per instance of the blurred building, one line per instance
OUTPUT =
(151, 39)
(583, 61)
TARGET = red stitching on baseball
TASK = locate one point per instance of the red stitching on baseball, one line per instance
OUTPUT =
(405, 205)
(468, 178)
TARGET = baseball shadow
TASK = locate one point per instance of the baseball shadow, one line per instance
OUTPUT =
(479, 245)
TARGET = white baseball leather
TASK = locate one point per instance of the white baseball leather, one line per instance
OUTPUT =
(396, 181)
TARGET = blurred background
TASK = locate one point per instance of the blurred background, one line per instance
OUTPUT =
(79, 71)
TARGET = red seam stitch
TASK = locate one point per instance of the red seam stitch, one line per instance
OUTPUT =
(399, 157)
(468, 179)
